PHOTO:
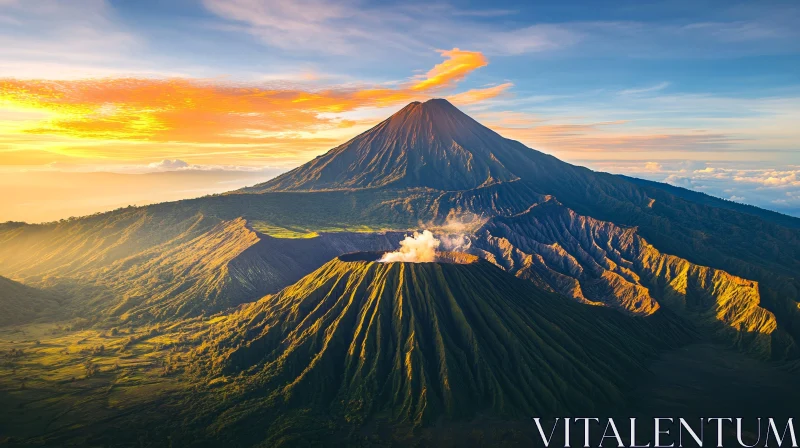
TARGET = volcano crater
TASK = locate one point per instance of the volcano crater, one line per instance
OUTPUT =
(444, 257)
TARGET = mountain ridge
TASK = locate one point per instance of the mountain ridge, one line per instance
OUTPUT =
(604, 264)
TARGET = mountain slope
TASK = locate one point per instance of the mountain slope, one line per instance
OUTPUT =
(414, 342)
(196, 277)
(82, 244)
(369, 186)
(22, 304)
(229, 264)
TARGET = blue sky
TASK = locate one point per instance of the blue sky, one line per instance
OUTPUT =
(702, 94)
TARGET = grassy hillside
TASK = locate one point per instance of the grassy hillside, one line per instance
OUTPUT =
(66, 385)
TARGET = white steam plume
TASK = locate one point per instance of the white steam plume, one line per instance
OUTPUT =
(455, 233)
(419, 248)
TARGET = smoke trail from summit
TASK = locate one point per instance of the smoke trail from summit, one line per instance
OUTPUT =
(419, 248)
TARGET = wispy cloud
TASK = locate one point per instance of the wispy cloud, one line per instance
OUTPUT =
(566, 137)
(82, 33)
(475, 96)
(323, 26)
(530, 39)
(607, 125)
(317, 26)
(655, 88)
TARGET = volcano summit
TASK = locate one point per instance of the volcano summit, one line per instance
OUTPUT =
(430, 144)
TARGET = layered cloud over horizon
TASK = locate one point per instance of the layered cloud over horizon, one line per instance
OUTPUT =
(761, 184)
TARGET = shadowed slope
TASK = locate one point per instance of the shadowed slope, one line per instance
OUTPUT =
(21, 304)
(227, 266)
(413, 342)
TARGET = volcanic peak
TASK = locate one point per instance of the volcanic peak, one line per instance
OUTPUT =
(428, 145)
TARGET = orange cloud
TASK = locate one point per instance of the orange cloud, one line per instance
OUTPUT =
(179, 109)
(477, 95)
(208, 111)
(458, 64)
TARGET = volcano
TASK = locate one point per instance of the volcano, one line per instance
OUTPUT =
(430, 144)
(435, 146)
(431, 161)
(414, 343)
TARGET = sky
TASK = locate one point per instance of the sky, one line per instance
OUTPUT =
(189, 97)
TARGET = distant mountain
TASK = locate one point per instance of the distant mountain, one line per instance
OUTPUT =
(362, 341)
(433, 145)
(21, 304)
(706, 199)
